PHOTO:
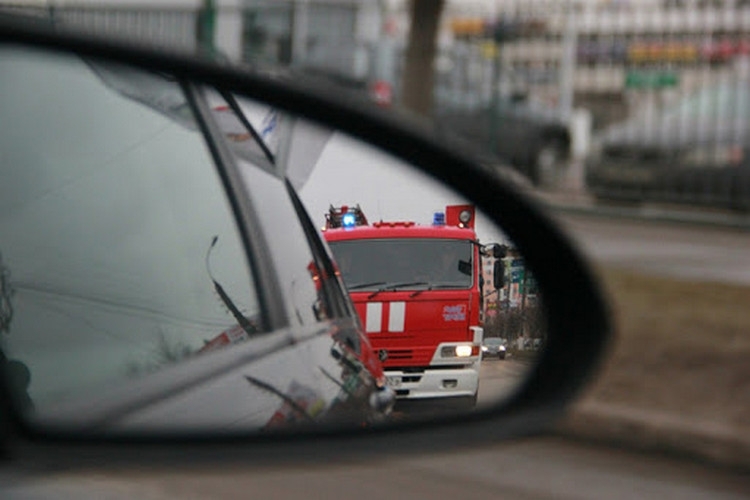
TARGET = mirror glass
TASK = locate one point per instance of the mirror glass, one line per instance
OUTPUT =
(142, 290)
(418, 292)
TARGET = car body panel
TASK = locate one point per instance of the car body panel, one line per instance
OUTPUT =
(696, 150)
(522, 130)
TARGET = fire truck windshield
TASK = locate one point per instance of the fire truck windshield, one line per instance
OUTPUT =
(405, 263)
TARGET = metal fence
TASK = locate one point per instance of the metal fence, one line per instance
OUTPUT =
(667, 85)
(166, 27)
(174, 28)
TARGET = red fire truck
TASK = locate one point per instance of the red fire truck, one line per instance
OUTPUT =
(418, 291)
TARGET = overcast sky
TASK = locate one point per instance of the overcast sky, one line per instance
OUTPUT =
(350, 172)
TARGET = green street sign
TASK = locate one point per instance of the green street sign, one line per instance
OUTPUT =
(651, 79)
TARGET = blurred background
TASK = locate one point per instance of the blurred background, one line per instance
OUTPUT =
(629, 118)
(599, 100)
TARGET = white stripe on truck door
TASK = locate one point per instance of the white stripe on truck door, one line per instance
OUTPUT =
(374, 317)
(397, 316)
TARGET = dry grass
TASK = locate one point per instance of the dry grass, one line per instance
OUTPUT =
(681, 347)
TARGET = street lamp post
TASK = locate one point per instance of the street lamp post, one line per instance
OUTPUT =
(502, 31)
(206, 27)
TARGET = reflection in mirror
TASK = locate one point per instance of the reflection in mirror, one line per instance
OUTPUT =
(444, 296)
(120, 255)
(131, 301)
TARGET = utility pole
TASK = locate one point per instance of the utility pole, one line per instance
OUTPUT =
(502, 31)
(300, 23)
(495, 97)
(206, 28)
(568, 62)
(524, 284)
(419, 75)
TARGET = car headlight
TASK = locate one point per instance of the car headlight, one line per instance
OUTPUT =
(484, 348)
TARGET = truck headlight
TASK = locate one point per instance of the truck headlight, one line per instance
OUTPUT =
(463, 351)
(459, 351)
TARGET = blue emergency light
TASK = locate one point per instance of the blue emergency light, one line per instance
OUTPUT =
(348, 220)
(438, 219)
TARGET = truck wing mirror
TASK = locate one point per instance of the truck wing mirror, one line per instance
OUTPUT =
(498, 274)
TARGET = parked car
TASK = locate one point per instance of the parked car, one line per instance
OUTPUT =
(524, 132)
(696, 150)
(493, 347)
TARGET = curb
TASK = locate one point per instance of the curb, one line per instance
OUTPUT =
(581, 204)
(708, 441)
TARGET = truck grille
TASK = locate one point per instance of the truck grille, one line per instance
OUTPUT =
(400, 354)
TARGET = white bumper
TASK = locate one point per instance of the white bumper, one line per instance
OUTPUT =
(435, 383)
(457, 377)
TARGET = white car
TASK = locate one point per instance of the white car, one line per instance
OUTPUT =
(493, 347)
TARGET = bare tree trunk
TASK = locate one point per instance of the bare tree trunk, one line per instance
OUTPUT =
(419, 75)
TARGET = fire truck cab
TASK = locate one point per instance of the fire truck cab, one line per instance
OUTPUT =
(418, 292)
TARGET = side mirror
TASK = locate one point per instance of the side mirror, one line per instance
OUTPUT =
(495, 250)
(498, 274)
(163, 281)
(499, 251)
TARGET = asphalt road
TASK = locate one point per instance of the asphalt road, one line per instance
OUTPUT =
(499, 378)
(539, 468)
(719, 254)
